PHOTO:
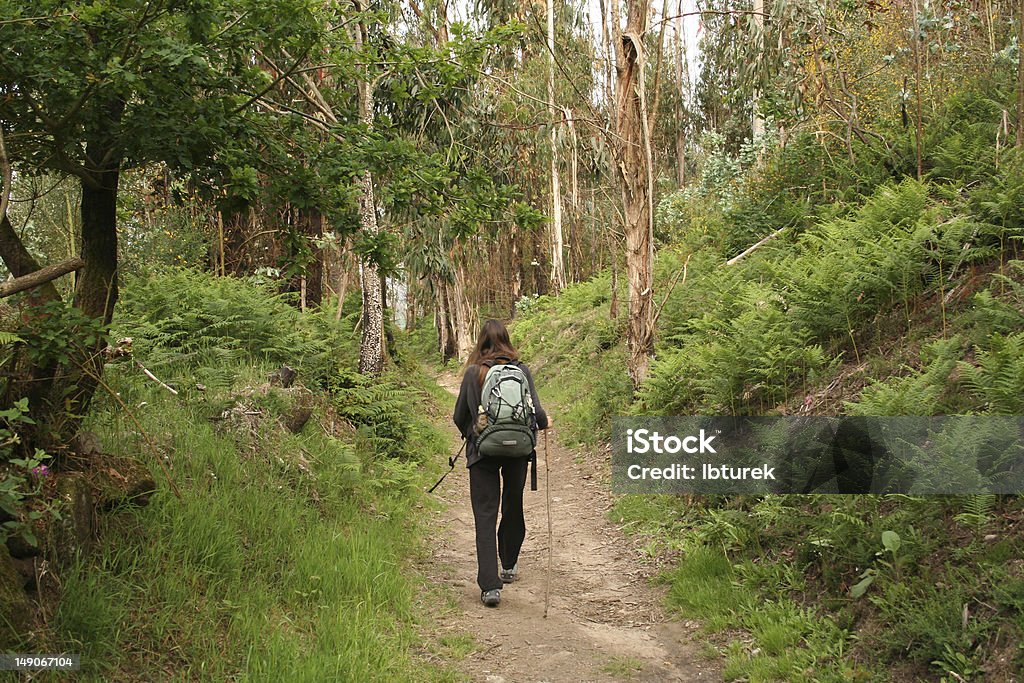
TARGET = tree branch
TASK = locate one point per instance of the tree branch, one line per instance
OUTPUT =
(270, 86)
(743, 255)
(39, 277)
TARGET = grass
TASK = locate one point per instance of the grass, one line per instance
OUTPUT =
(288, 557)
(623, 667)
(770, 578)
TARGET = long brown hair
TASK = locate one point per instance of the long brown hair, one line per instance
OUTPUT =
(493, 343)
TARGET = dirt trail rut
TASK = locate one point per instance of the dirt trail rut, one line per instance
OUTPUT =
(604, 621)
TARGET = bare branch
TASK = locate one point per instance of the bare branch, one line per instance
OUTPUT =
(741, 256)
(40, 277)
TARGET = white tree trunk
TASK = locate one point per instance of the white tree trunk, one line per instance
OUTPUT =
(757, 123)
(680, 53)
(557, 244)
(371, 348)
(462, 316)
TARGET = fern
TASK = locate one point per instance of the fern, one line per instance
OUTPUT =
(997, 377)
(919, 393)
(190, 320)
(977, 510)
(382, 411)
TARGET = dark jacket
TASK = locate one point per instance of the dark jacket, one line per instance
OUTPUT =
(469, 400)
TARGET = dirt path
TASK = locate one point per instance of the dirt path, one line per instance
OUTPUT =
(604, 621)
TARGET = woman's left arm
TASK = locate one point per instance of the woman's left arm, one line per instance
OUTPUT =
(542, 417)
(463, 416)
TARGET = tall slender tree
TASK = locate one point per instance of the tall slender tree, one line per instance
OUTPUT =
(635, 176)
(371, 347)
(557, 241)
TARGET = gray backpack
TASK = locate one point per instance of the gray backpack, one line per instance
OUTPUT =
(506, 418)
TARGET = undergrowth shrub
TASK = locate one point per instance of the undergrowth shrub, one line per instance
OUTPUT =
(576, 353)
(832, 587)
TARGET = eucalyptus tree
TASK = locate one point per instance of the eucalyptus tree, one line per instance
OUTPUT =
(634, 166)
(557, 239)
(418, 89)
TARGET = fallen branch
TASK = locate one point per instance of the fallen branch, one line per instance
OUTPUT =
(123, 349)
(153, 377)
(40, 277)
(740, 257)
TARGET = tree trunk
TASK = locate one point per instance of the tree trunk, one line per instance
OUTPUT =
(634, 169)
(97, 290)
(313, 222)
(387, 318)
(613, 306)
(557, 246)
(680, 52)
(606, 42)
(461, 314)
(516, 274)
(26, 378)
(371, 348)
(19, 261)
(95, 295)
(445, 341)
(917, 87)
(757, 123)
(1020, 73)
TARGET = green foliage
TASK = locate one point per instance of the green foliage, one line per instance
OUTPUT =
(208, 325)
(999, 309)
(833, 588)
(999, 199)
(384, 412)
(579, 369)
(996, 377)
(287, 557)
(881, 295)
(919, 393)
(21, 479)
(977, 510)
(56, 331)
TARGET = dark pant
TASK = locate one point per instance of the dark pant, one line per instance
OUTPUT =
(485, 491)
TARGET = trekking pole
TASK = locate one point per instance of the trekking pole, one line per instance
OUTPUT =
(451, 466)
(547, 491)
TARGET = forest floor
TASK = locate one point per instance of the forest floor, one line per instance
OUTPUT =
(605, 621)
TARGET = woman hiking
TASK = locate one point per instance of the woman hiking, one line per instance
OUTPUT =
(488, 472)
